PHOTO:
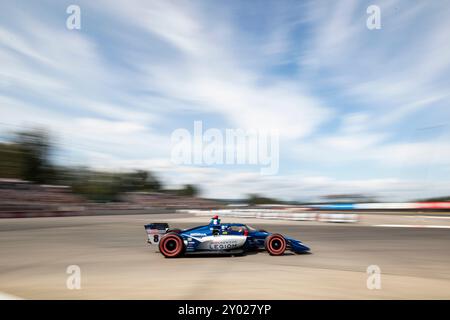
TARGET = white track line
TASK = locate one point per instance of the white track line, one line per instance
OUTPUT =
(410, 226)
(5, 296)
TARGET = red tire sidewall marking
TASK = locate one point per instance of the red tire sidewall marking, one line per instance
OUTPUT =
(175, 252)
(281, 249)
(178, 245)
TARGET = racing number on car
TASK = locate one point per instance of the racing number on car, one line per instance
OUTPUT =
(155, 238)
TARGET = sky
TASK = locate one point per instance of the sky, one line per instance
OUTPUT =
(355, 110)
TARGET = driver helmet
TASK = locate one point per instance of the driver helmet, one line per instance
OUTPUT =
(215, 220)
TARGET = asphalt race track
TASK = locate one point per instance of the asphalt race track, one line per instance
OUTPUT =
(117, 263)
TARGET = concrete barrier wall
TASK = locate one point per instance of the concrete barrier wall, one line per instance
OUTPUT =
(278, 215)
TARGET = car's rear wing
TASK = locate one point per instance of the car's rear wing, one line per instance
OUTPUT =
(155, 231)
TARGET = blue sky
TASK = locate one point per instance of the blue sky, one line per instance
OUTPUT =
(357, 110)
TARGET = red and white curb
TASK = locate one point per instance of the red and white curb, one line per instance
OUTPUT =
(411, 226)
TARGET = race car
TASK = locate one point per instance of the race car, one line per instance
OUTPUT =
(219, 238)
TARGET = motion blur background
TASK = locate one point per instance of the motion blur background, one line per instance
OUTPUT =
(86, 115)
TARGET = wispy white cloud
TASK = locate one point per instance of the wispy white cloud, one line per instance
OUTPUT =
(336, 92)
(405, 61)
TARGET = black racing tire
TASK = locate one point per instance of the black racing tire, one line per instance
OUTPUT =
(275, 244)
(171, 245)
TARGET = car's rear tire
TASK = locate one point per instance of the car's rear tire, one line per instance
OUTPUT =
(171, 245)
(174, 230)
(275, 244)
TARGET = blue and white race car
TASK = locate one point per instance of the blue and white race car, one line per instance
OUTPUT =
(219, 238)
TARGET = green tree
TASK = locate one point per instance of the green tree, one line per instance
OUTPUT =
(28, 157)
(139, 181)
(10, 161)
(255, 199)
(188, 190)
(34, 147)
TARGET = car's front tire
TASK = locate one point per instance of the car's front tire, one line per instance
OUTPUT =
(171, 245)
(275, 244)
